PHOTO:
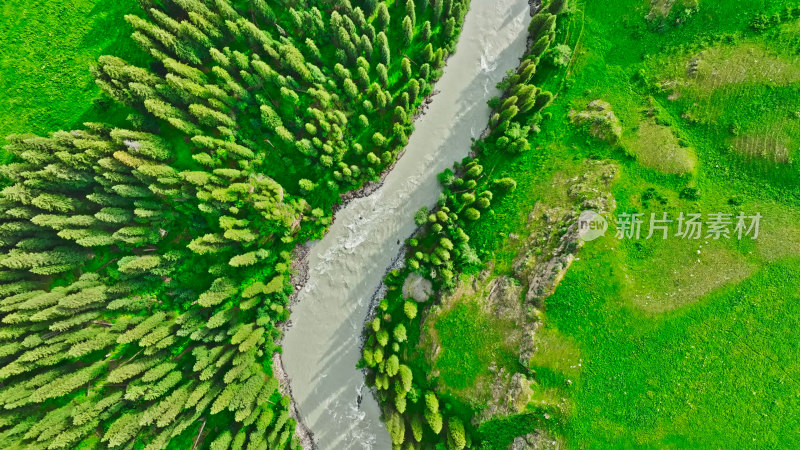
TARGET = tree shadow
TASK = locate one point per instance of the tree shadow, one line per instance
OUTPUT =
(112, 34)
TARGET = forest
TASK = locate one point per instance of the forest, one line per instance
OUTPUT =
(146, 263)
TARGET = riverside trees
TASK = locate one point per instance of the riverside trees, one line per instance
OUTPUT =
(417, 416)
(146, 268)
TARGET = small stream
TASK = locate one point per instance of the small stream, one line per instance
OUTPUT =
(321, 348)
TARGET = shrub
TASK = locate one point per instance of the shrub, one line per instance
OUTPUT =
(506, 184)
(560, 55)
(690, 193)
(421, 217)
(306, 185)
(410, 309)
(472, 214)
(446, 178)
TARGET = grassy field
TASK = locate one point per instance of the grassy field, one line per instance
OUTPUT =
(682, 343)
(463, 331)
(46, 49)
(720, 372)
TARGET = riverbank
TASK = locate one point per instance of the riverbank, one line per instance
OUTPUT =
(323, 335)
(300, 277)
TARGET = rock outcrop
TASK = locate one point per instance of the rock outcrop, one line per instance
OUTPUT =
(510, 393)
(544, 252)
(538, 440)
(504, 298)
(550, 249)
(600, 121)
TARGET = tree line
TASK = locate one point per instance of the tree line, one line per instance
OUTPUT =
(416, 415)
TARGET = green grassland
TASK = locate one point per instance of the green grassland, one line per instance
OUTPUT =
(463, 331)
(681, 343)
(46, 49)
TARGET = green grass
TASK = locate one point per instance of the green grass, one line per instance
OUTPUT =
(678, 349)
(721, 373)
(46, 49)
(657, 147)
(758, 76)
(470, 341)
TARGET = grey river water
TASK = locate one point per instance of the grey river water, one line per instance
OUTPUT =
(321, 348)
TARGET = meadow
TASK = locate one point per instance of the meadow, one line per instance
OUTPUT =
(682, 343)
(46, 49)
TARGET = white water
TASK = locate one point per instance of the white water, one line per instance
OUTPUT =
(321, 348)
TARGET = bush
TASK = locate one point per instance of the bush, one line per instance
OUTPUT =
(410, 309)
(399, 333)
(482, 203)
(472, 214)
(474, 171)
(506, 184)
(421, 217)
(560, 55)
(690, 193)
(306, 185)
(736, 200)
(446, 178)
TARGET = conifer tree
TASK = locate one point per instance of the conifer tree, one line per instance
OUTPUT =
(411, 12)
(136, 268)
(383, 17)
(408, 31)
(425, 34)
(383, 49)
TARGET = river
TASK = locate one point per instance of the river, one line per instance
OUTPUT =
(321, 347)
